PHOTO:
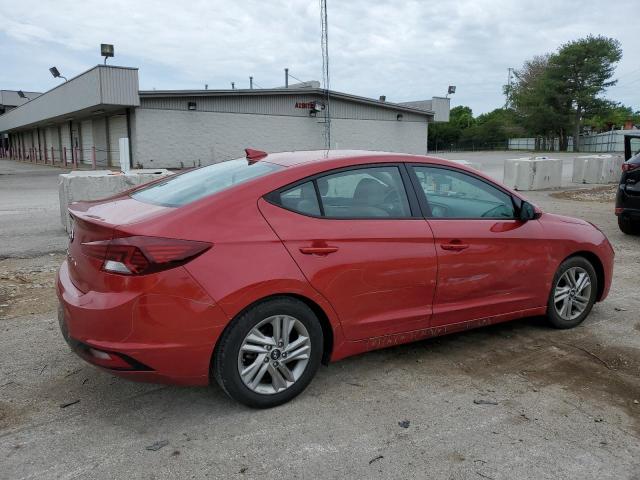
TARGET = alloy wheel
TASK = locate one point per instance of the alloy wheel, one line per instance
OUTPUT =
(572, 293)
(274, 354)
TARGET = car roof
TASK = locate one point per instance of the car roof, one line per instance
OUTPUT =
(301, 164)
(290, 159)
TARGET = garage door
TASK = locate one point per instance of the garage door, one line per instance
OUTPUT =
(86, 134)
(117, 130)
(66, 140)
(51, 139)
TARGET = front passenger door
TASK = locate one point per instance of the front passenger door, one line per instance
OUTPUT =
(489, 262)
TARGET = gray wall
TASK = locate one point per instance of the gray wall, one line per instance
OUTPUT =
(175, 138)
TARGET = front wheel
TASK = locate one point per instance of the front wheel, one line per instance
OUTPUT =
(573, 293)
(270, 353)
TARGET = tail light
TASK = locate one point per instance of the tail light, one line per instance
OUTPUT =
(628, 167)
(140, 255)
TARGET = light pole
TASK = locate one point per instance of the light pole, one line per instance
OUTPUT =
(106, 50)
(56, 74)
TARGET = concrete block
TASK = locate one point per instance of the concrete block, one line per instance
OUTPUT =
(533, 173)
(603, 168)
(86, 185)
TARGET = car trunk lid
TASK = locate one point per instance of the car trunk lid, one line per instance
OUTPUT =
(98, 221)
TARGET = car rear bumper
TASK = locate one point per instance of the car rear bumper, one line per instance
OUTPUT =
(152, 336)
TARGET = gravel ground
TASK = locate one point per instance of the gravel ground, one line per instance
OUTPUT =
(517, 400)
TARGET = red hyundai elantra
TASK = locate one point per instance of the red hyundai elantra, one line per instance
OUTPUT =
(253, 271)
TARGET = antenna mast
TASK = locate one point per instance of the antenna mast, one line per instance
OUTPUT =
(324, 43)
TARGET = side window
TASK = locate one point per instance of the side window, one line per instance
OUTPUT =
(301, 199)
(371, 192)
(453, 194)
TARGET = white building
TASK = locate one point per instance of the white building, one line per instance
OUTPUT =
(83, 119)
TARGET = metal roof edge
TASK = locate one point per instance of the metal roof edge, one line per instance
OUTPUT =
(284, 91)
(69, 80)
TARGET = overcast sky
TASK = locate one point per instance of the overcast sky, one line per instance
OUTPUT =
(406, 50)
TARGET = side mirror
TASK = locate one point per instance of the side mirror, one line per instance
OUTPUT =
(528, 212)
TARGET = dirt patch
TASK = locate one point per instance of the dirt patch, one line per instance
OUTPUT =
(10, 415)
(579, 363)
(604, 194)
(27, 286)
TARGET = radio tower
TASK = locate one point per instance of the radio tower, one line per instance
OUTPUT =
(324, 43)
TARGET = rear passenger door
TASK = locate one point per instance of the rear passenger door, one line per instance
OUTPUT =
(359, 238)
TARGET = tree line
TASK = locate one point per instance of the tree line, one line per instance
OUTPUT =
(554, 96)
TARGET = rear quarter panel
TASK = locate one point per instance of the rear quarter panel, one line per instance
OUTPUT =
(247, 262)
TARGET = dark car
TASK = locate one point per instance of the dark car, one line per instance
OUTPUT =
(628, 197)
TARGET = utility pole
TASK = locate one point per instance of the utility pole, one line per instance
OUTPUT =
(507, 102)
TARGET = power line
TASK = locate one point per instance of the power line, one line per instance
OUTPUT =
(628, 73)
(295, 78)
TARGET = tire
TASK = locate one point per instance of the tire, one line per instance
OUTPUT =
(578, 308)
(261, 321)
(628, 226)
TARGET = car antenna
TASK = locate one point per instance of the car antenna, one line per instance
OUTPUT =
(254, 155)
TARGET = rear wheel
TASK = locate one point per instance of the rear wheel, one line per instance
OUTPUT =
(628, 226)
(573, 293)
(270, 353)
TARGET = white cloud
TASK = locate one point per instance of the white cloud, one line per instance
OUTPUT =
(405, 49)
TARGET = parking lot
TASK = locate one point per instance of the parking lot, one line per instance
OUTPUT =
(517, 400)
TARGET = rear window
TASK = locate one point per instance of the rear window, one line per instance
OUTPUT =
(191, 186)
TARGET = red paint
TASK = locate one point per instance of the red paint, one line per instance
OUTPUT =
(378, 282)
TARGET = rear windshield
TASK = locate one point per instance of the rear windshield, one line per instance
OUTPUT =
(191, 186)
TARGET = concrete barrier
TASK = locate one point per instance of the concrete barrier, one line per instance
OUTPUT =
(82, 185)
(533, 173)
(597, 168)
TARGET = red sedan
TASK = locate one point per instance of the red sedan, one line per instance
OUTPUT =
(254, 271)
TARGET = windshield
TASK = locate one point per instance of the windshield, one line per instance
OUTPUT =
(191, 186)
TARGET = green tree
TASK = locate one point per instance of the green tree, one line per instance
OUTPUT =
(540, 107)
(492, 129)
(554, 93)
(612, 115)
(580, 72)
(443, 135)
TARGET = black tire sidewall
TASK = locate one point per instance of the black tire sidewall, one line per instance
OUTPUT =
(225, 367)
(628, 225)
(554, 318)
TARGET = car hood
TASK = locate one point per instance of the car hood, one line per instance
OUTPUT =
(555, 218)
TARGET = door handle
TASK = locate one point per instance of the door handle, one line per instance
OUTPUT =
(455, 246)
(318, 250)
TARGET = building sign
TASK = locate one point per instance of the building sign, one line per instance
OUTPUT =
(306, 105)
